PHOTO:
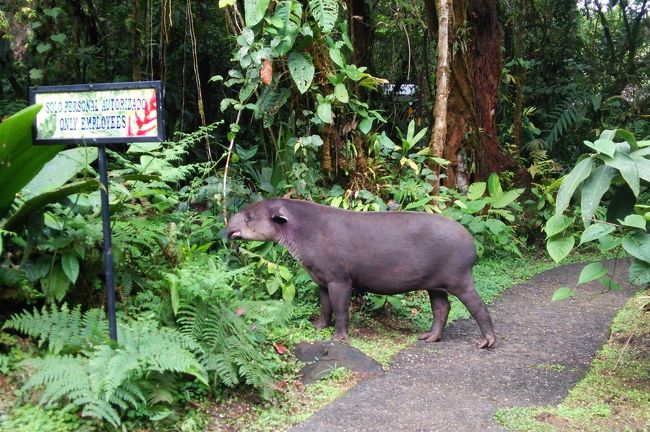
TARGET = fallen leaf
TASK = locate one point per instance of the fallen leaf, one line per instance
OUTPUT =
(240, 311)
(281, 349)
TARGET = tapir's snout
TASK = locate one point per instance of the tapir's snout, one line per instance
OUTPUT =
(233, 234)
(234, 227)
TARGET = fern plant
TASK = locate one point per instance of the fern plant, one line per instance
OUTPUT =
(106, 379)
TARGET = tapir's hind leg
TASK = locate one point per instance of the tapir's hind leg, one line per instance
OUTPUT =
(440, 307)
(470, 298)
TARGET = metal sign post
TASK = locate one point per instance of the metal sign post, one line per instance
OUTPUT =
(100, 114)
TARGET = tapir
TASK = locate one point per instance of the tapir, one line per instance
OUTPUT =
(378, 252)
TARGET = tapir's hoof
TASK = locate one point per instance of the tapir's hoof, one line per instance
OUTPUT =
(486, 342)
(320, 324)
(430, 337)
(340, 338)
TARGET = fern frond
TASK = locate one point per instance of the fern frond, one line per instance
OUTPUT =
(62, 330)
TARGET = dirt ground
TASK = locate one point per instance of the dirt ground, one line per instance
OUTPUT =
(543, 349)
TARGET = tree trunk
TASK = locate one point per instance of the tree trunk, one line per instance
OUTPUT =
(439, 135)
(518, 50)
(472, 145)
(361, 34)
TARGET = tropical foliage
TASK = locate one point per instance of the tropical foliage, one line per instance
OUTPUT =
(326, 100)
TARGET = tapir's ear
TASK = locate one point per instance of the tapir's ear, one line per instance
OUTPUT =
(279, 216)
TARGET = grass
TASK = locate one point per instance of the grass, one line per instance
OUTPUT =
(614, 395)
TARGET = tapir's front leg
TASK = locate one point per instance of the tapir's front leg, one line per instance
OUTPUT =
(339, 294)
(325, 309)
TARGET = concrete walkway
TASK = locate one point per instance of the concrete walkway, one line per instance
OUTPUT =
(542, 350)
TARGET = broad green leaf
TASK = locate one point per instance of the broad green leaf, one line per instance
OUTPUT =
(628, 137)
(495, 226)
(70, 266)
(325, 12)
(591, 272)
(17, 219)
(365, 125)
(562, 294)
(608, 242)
(557, 224)
(643, 167)
(62, 168)
(20, 161)
(494, 185)
(324, 112)
(605, 146)
(55, 284)
(558, 247)
(416, 139)
(301, 69)
(476, 190)
(337, 57)
(596, 231)
(59, 37)
(288, 292)
(593, 190)
(628, 169)
(254, 11)
(43, 47)
(571, 182)
(640, 272)
(507, 198)
(634, 221)
(36, 74)
(610, 284)
(608, 134)
(289, 16)
(638, 245)
(341, 93)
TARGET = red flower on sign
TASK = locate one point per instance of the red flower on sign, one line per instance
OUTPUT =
(142, 123)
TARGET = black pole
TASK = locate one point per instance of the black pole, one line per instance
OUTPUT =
(108, 245)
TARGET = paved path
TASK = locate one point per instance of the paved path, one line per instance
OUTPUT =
(542, 350)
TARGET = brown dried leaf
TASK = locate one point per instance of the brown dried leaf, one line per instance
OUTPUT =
(266, 73)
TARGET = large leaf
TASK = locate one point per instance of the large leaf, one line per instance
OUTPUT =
(289, 14)
(571, 182)
(628, 168)
(494, 186)
(301, 69)
(18, 218)
(254, 11)
(638, 245)
(596, 231)
(506, 198)
(556, 224)
(476, 190)
(558, 247)
(325, 12)
(19, 159)
(591, 272)
(640, 273)
(57, 172)
(593, 191)
(643, 167)
(562, 294)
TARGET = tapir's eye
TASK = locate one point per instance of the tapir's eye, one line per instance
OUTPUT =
(247, 219)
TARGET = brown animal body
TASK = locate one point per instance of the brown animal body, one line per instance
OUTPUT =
(377, 252)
